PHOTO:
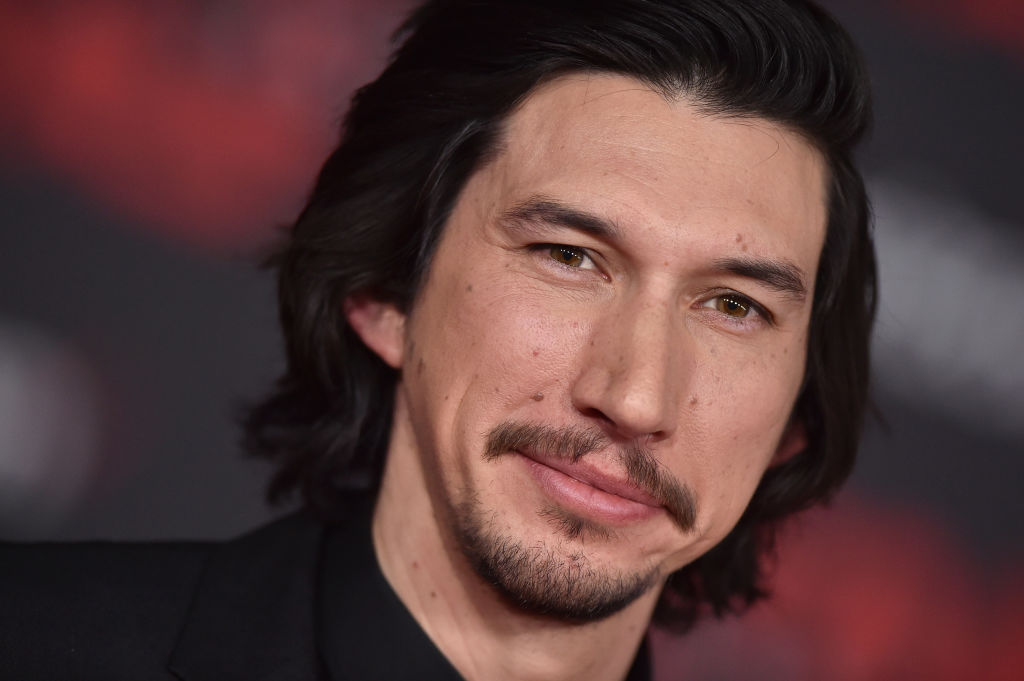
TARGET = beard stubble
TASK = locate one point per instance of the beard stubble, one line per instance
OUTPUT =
(556, 578)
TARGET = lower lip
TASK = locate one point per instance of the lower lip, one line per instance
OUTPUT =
(587, 500)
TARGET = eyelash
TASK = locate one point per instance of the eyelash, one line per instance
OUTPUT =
(751, 305)
(583, 252)
(744, 301)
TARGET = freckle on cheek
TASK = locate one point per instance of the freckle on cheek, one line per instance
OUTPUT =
(469, 287)
(538, 397)
(693, 401)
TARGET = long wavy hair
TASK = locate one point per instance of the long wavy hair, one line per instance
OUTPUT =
(413, 137)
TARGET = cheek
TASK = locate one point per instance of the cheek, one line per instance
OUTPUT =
(748, 389)
(738, 412)
(484, 347)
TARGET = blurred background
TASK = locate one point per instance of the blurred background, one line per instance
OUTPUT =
(149, 151)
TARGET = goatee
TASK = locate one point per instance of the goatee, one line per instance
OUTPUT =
(558, 579)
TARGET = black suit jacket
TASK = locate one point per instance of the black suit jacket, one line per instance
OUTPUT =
(289, 602)
(243, 609)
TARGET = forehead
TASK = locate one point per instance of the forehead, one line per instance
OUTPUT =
(610, 144)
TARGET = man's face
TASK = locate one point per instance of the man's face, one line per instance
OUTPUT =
(603, 359)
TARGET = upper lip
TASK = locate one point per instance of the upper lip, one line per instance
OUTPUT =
(586, 473)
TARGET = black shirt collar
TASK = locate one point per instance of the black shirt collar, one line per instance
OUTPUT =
(366, 631)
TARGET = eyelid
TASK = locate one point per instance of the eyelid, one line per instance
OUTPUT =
(585, 252)
(762, 312)
(756, 307)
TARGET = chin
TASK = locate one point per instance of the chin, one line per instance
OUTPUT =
(556, 575)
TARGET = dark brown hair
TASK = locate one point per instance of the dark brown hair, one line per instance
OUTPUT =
(413, 137)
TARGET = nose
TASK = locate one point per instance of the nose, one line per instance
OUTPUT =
(635, 369)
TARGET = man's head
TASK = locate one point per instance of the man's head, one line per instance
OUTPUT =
(623, 240)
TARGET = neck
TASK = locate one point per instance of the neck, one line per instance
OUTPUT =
(483, 635)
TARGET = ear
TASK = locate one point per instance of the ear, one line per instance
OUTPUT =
(380, 325)
(793, 441)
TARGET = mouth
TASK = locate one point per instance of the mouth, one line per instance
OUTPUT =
(590, 492)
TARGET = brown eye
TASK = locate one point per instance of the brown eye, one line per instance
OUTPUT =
(732, 306)
(567, 255)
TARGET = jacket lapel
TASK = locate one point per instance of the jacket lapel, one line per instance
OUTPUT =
(253, 614)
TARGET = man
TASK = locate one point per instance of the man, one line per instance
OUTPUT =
(577, 312)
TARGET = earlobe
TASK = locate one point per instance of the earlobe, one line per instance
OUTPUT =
(380, 326)
(794, 441)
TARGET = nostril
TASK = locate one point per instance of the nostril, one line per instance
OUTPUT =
(656, 436)
(622, 429)
(597, 415)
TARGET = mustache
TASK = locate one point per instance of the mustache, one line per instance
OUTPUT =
(572, 444)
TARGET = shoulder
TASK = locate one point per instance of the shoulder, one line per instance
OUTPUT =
(117, 610)
(65, 603)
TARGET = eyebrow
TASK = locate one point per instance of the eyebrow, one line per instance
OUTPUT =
(783, 277)
(540, 209)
